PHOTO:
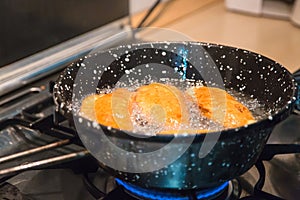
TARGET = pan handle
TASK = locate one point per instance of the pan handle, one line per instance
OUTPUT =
(270, 150)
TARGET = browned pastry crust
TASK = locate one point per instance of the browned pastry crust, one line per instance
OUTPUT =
(165, 106)
(161, 104)
(218, 105)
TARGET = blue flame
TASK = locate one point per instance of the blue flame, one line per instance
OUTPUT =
(212, 192)
(156, 195)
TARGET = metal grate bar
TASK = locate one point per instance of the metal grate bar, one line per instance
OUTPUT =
(34, 150)
(45, 162)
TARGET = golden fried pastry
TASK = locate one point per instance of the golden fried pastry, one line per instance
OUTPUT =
(165, 106)
(113, 109)
(218, 105)
(160, 104)
(121, 102)
(103, 110)
(87, 108)
(109, 109)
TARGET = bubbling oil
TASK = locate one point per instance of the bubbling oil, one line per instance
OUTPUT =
(197, 122)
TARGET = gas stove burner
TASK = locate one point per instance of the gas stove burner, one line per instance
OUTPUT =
(225, 191)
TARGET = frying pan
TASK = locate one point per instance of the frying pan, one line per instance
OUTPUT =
(233, 151)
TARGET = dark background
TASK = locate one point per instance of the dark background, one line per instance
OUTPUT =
(28, 26)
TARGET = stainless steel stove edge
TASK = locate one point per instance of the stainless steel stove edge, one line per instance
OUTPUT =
(42, 64)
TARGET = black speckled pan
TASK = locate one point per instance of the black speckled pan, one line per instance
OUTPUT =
(236, 150)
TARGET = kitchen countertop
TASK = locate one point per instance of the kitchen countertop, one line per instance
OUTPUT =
(210, 21)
